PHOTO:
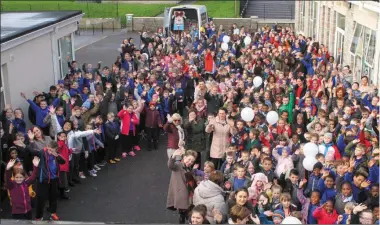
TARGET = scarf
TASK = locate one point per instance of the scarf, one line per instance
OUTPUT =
(327, 146)
(191, 183)
(181, 134)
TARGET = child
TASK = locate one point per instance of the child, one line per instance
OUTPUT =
(240, 137)
(286, 205)
(252, 140)
(112, 131)
(257, 186)
(313, 179)
(250, 170)
(343, 197)
(228, 166)
(152, 124)
(309, 205)
(94, 143)
(64, 169)
(48, 181)
(266, 168)
(326, 214)
(244, 160)
(276, 193)
(342, 219)
(209, 167)
(129, 121)
(328, 149)
(239, 180)
(18, 188)
(285, 162)
(326, 187)
(290, 185)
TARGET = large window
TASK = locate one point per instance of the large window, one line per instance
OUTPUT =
(363, 50)
(312, 31)
(4, 72)
(339, 36)
(65, 53)
(302, 16)
(341, 21)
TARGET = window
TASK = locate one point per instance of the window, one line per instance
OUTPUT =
(302, 15)
(370, 53)
(65, 50)
(4, 72)
(355, 39)
(363, 50)
(341, 21)
(204, 18)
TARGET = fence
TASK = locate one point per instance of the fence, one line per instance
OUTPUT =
(243, 7)
(93, 26)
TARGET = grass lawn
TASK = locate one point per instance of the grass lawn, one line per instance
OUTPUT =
(221, 8)
(91, 10)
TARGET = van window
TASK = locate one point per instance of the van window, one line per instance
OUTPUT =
(204, 18)
(191, 17)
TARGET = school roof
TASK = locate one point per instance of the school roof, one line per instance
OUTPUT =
(17, 24)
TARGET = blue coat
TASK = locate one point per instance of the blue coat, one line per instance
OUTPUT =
(41, 113)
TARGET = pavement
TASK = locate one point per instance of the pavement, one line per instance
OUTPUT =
(131, 191)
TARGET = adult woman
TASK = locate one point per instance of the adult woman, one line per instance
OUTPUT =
(37, 139)
(195, 136)
(221, 133)
(182, 182)
(129, 121)
(240, 198)
(210, 193)
(198, 215)
(176, 134)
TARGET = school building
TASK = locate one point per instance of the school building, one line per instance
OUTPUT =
(350, 29)
(34, 50)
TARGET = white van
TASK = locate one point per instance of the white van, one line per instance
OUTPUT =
(195, 15)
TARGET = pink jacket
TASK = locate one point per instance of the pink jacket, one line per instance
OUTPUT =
(125, 118)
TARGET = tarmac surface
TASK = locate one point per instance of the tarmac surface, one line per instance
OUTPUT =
(131, 191)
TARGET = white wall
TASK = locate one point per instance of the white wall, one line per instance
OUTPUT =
(29, 69)
(32, 65)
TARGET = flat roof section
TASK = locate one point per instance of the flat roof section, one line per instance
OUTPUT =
(16, 24)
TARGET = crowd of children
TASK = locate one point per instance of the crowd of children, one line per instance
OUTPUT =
(193, 89)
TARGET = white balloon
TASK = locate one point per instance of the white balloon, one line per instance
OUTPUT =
(272, 117)
(291, 220)
(257, 81)
(226, 38)
(224, 46)
(309, 162)
(247, 40)
(247, 114)
(310, 149)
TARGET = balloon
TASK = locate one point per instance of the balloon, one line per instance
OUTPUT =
(310, 149)
(226, 38)
(291, 220)
(309, 162)
(257, 81)
(272, 117)
(247, 40)
(224, 46)
(247, 114)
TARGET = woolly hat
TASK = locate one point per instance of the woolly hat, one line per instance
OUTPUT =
(328, 135)
(152, 104)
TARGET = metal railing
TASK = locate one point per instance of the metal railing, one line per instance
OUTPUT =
(268, 12)
(111, 26)
(243, 7)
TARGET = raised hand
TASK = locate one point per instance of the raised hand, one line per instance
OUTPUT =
(23, 95)
(256, 219)
(30, 135)
(218, 217)
(108, 85)
(365, 184)
(51, 110)
(36, 161)
(11, 163)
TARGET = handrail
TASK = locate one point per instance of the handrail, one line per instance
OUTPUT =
(244, 9)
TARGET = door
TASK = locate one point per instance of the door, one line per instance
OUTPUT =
(167, 22)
